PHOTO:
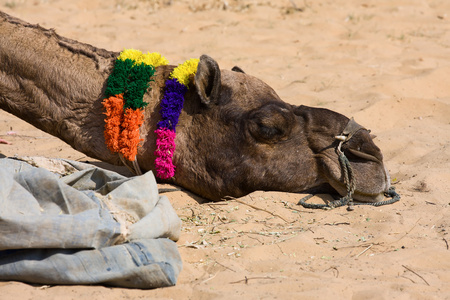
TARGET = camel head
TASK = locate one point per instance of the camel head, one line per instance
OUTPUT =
(234, 135)
(238, 136)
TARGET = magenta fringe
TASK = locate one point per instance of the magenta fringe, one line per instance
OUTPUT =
(165, 147)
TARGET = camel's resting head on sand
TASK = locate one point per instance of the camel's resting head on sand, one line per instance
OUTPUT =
(235, 135)
(246, 138)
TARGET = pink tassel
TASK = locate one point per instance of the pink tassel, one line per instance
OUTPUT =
(165, 147)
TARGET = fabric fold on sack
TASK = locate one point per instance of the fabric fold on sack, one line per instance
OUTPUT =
(92, 226)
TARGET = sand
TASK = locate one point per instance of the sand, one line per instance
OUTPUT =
(385, 62)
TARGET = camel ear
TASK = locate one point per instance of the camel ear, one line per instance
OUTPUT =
(207, 80)
(237, 69)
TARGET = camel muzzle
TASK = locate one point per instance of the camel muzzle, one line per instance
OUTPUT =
(349, 179)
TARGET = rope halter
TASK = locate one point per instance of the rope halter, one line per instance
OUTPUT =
(349, 179)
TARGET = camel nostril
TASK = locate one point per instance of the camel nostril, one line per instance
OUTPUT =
(363, 155)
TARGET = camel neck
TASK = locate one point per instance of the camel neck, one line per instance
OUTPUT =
(52, 82)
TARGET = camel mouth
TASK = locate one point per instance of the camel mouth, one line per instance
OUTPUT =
(363, 155)
(359, 195)
(369, 198)
(364, 190)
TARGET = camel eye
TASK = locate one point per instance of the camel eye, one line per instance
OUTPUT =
(268, 132)
(270, 123)
(263, 131)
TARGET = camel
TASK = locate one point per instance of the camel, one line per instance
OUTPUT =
(235, 135)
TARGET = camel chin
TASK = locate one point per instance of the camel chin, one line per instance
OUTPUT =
(372, 179)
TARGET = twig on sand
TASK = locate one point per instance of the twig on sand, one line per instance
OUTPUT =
(255, 239)
(295, 6)
(282, 252)
(224, 266)
(246, 279)
(336, 224)
(445, 242)
(362, 245)
(262, 209)
(406, 232)
(403, 276)
(208, 279)
(333, 268)
(409, 269)
(370, 246)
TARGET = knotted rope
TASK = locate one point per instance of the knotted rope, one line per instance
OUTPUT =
(349, 179)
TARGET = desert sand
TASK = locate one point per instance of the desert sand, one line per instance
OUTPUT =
(385, 62)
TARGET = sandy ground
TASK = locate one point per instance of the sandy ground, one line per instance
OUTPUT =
(384, 62)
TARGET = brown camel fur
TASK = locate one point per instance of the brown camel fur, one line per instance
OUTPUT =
(235, 135)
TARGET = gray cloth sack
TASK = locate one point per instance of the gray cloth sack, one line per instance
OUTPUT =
(93, 226)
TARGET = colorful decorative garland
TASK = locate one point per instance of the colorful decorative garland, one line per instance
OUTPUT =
(124, 106)
(123, 101)
(171, 106)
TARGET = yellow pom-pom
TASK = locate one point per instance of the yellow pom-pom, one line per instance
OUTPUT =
(132, 54)
(153, 59)
(183, 71)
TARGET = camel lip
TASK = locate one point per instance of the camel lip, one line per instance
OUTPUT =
(368, 198)
(358, 195)
(364, 155)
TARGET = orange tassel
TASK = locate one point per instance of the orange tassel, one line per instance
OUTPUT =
(129, 137)
(114, 117)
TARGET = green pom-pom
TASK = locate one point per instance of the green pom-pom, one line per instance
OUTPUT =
(137, 84)
(117, 81)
